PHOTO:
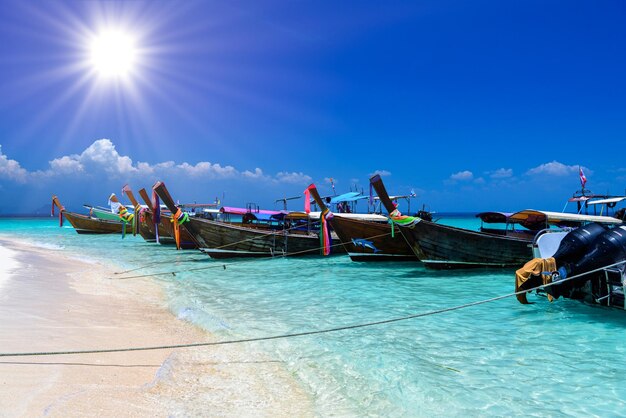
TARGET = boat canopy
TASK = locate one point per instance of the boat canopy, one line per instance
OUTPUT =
(579, 199)
(347, 197)
(243, 211)
(355, 198)
(537, 219)
(198, 205)
(612, 200)
(360, 216)
(584, 198)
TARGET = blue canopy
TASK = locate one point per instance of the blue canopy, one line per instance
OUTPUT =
(347, 197)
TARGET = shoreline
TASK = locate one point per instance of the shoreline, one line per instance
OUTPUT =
(58, 303)
(9, 264)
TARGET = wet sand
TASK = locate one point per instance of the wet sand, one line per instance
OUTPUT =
(53, 303)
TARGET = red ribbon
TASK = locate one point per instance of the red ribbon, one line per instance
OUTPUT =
(307, 201)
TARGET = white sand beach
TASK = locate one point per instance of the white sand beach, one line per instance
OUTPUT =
(49, 302)
(8, 264)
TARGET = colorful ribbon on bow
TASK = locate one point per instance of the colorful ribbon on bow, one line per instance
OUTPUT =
(402, 220)
(307, 200)
(324, 232)
(178, 219)
(126, 217)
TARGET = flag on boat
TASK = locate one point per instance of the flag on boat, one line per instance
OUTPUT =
(583, 179)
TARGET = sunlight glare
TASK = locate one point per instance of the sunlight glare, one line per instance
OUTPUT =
(113, 54)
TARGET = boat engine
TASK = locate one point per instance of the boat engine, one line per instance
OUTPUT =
(576, 243)
(607, 248)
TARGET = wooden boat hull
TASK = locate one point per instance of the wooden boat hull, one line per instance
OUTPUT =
(166, 235)
(87, 225)
(224, 240)
(166, 232)
(146, 229)
(446, 247)
(442, 246)
(372, 241)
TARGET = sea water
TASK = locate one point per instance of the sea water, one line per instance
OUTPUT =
(496, 359)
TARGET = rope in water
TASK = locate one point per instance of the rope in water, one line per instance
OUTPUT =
(306, 333)
(277, 233)
(191, 260)
(224, 265)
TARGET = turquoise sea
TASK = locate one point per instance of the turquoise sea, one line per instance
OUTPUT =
(496, 359)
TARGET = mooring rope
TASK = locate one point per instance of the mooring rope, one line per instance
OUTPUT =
(306, 333)
(231, 263)
(226, 245)
(191, 260)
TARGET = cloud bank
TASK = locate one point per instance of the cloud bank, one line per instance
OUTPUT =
(101, 157)
(92, 174)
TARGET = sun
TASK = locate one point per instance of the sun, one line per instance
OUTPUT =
(113, 54)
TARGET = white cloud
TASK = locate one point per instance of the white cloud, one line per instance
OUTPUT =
(208, 170)
(256, 174)
(556, 168)
(382, 173)
(164, 165)
(145, 168)
(66, 165)
(99, 156)
(11, 169)
(462, 176)
(501, 173)
(102, 154)
(293, 178)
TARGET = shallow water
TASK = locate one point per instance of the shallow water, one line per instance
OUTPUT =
(495, 359)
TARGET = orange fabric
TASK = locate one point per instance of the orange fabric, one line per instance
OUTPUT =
(536, 267)
(175, 218)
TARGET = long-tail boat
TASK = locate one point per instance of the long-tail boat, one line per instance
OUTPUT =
(85, 224)
(140, 221)
(226, 240)
(443, 246)
(366, 237)
(163, 227)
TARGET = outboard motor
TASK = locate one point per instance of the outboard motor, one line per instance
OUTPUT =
(608, 248)
(577, 243)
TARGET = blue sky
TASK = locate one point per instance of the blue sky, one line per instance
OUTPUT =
(483, 105)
